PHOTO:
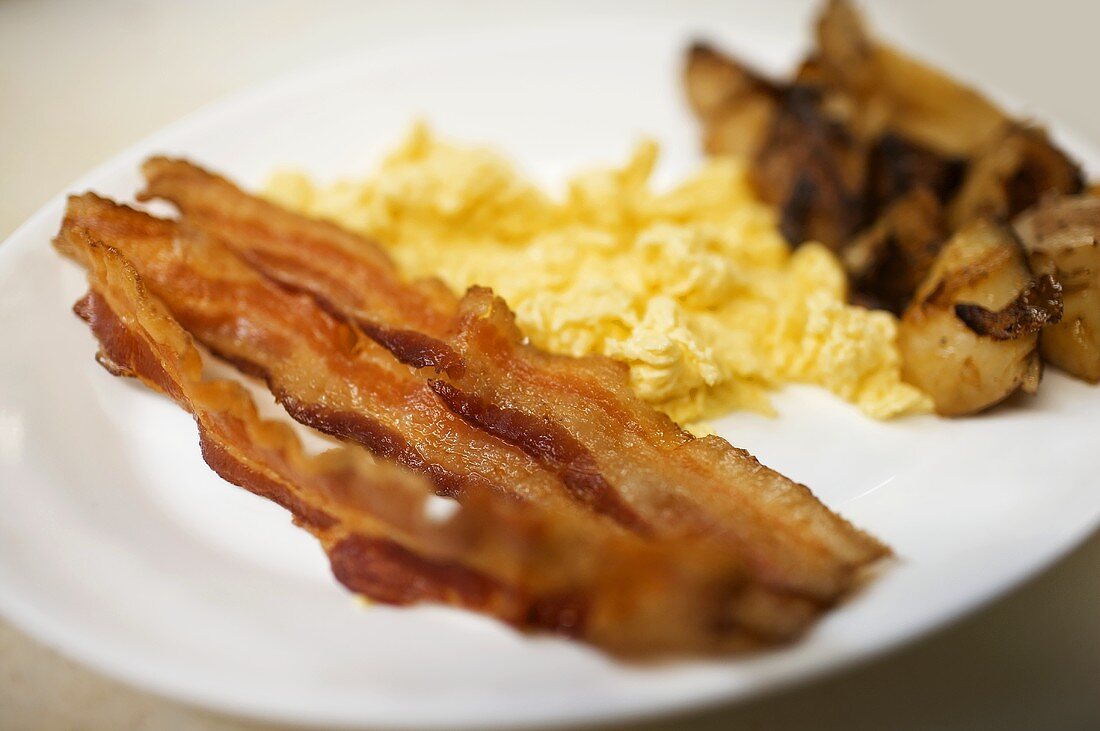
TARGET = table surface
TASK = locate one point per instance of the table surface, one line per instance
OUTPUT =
(80, 81)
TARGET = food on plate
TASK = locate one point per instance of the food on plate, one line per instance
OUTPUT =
(861, 125)
(898, 167)
(316, 366)
(534, 569)
(738, 103)
(877, 89)
(893, 256)
(577, 417)
(1062, 238)
(805, 164)
(885, 161)
(813, 171)
(970, 336)
(1012, 171)
(590, 514)
(692, 288)
(503, 368)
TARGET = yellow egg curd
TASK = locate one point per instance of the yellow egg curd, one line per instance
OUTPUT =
(693, 288)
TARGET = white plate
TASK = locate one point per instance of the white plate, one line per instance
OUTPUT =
(118, 545)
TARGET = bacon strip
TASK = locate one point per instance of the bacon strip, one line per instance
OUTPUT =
(531, 568)
(337, 265)
(323, 372)
(577, 417)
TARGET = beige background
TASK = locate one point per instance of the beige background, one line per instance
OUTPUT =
(79, 81)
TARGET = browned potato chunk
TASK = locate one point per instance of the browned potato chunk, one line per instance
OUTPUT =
(1011, 173)
(897, 166)
(740, 126)
(981, 270)
(888, 261)
(1061, 236)
(813, 170)
(736, 104)
(804, 161)
(890, 90)
(712, 78)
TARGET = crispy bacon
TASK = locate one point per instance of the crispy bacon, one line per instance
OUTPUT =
(323, 372)
(576, 416)
(679, 484)
(534, 569)
(400, 310)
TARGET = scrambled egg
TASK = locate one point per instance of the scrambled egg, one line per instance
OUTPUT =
(694, 288)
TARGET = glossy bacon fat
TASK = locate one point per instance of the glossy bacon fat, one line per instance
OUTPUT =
(577, 417)
(534, 569)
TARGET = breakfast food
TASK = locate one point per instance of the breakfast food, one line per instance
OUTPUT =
(692, 288)
(1012, 171)
(576, 417)
(523, 464)
(886, 161)
(963, 339)
(534, 569)
(1062, 238)
(564, 451)
(316, 367)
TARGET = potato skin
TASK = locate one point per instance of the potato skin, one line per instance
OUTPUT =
(1062, 238)
(962, 371)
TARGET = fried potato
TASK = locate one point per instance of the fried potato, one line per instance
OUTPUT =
(736, 103)
(899, 165)
(883, 158)
(1061, 237)
(813, 170)
(982, 269)
(740, 126)
(805, 162)
(712, 78)
(890, 90)
(1011, 173)
(888, 261)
